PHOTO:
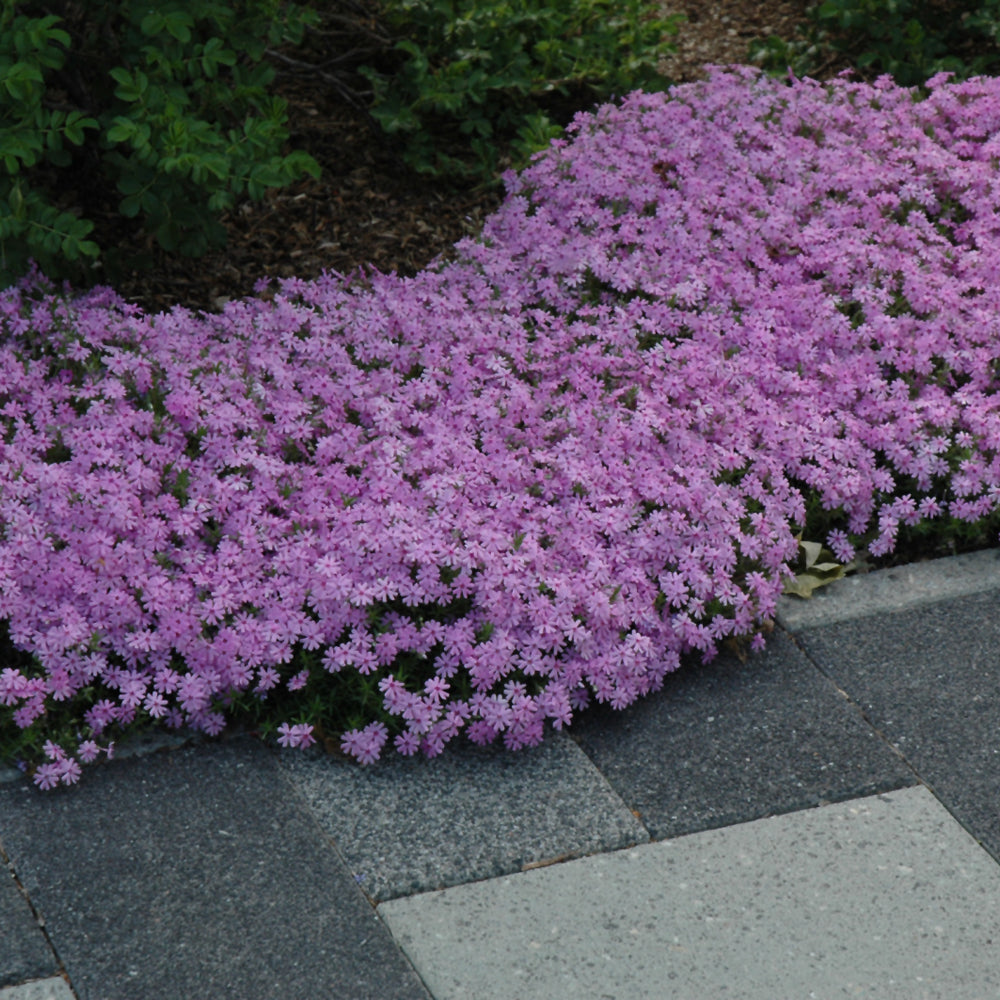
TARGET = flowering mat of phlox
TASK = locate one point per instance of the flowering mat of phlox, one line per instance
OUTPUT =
(533, 476)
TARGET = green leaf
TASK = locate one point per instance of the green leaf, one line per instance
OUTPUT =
(179, 24)
(300, 162)
(152, 24)
(121, 129)
(15, 88)
(58, 36)
(75, 125)
(130, 206)
(129, 184)
(168, 235)
(80, 228)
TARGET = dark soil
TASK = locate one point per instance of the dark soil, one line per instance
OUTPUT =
(367, 208)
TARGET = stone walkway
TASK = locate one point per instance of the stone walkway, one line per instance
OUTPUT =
(822, 821)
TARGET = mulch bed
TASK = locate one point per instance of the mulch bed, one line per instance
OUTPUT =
(366, 207)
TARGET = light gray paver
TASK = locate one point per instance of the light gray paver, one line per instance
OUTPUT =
(407, 826)
(39, 989)
(902, 587)
(885, 897)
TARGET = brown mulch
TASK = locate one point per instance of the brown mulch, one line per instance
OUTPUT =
(367, 208)
(720, 31)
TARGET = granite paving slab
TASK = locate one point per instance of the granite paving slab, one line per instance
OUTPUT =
(886, 898)
(729, 742)
(929, 680)
(53, 988)
(10, 774)
(24, 952)
(896, 589)
(197, 873)
(410, 825)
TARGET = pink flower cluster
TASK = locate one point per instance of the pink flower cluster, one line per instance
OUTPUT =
(546, 469)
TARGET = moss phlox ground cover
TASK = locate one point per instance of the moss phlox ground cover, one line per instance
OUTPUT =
(530, 477)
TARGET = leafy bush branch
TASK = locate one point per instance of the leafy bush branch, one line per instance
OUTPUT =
(466, 77)
(909, 40)
(167, 105)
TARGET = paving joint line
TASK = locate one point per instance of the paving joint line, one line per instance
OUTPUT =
(38, 918)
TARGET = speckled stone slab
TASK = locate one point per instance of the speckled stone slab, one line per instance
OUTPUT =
(9, 774)
(24, 952)
(195, 873)
(730, 742)
(52, 988)
(886, 898)
(929, 679)
(900, 588)
(409, 825)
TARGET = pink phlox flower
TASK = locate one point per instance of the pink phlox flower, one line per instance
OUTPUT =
(89, 750)
(298, 681)
(300, 735)
(421, 714)
(436, 688)
(13, 686)
(47, 776)
(396, 698)
(365, 744)
(267, 678)
(840, 545)
(407, 743)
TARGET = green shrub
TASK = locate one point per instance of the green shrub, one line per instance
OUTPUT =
(165, 104)
(908, 39)
(469, 76)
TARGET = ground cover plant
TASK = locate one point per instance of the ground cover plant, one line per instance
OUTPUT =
(535, 475)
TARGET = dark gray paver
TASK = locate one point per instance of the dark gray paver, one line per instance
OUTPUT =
(929, 679)
(409, 825)
(197, 873)
(885, 898)
(729, 742)
(24, 952)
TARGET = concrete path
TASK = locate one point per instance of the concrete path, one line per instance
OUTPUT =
(822, 821)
